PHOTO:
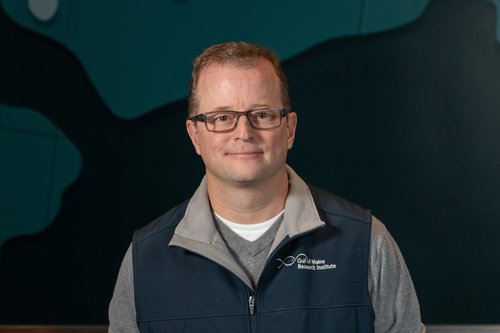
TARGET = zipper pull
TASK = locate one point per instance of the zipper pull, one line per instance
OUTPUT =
(251, 305)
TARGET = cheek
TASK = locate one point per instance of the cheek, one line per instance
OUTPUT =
(210, 145)
(287, 140)
(281, 144)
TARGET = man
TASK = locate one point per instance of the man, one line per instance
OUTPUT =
(255, 248)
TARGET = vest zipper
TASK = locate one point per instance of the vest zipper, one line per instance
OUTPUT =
(251, 305)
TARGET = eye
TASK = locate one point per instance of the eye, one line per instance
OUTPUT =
(221, 118)
(263, 115)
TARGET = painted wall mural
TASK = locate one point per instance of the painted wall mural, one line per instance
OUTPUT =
(38, 164)
(135, 52)
(398, 110)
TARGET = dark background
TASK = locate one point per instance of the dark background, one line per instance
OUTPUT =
(405, 122)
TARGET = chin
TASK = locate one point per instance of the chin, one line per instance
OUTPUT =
(245, 178)
(251, 177)
(241, 178)
(242, 174)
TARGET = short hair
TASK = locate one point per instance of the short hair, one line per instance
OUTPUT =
(239, 54)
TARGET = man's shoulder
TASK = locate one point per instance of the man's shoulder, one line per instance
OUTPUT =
(165, 223)
(328, 203)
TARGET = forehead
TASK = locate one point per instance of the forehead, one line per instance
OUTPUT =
(251, 66)
(256, 79)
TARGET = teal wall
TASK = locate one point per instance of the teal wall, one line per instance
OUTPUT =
(137, 53)
(398, 110)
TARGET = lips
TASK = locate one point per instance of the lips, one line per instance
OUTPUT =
(244, 153)
(252, 152)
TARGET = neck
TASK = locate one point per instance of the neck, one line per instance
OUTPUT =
(249, 203)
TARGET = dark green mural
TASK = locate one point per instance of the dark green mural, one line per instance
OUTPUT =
(138, 54)
(398, 110)
(38, 163)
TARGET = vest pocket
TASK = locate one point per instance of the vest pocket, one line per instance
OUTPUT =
(340, 318)
(191, 325)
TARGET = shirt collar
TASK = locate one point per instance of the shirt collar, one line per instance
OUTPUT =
(300, 215)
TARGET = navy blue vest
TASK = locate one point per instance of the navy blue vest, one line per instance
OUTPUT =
(316, 282)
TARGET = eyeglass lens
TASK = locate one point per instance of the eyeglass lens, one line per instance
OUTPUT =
(226, 120)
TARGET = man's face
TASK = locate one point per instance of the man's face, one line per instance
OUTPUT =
(246, 155)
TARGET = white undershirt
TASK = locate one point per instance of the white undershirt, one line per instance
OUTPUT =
(250, 232)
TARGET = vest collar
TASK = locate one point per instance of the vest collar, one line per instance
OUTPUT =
(300, 215)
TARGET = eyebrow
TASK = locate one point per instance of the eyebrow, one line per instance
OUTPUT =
(253, 107)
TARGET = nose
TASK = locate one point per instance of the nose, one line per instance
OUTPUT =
(244, 130)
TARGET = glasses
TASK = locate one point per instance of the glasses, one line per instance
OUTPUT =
(227, 121)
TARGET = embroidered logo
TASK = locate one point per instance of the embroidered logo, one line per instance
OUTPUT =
(304, 262)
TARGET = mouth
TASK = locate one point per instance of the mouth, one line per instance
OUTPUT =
(244, 154)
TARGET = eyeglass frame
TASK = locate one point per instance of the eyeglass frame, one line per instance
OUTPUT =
(203, 118)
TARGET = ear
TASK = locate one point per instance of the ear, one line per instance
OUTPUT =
(291, 127)
(192, 130)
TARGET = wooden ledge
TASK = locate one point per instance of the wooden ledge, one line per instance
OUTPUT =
(52, 329)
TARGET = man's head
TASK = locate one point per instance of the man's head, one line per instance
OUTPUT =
(238, 54)
(240, 124)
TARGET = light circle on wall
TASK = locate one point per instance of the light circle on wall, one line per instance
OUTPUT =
(43, 10)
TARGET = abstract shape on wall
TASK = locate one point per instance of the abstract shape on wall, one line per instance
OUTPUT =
(497, 6)
(38, 164)
(137, 54)
(43, 10)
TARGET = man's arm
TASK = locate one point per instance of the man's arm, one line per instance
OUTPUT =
(122, 316)
(393, 296)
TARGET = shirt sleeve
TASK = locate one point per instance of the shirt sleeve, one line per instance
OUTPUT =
(391, 289)
(122, 315)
